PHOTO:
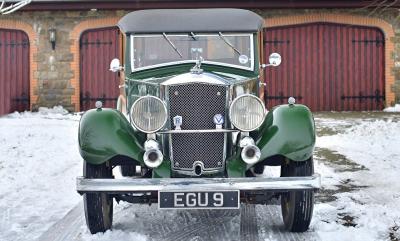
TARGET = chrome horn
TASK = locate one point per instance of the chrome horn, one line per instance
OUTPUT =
(153, 156)
(250, 152)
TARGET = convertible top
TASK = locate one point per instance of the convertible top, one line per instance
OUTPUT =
(191, 20)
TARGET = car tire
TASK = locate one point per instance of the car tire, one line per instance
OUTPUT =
(128, 171)
(98, 206)
(297, 206)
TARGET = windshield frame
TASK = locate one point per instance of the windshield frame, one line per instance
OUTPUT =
(132, 52)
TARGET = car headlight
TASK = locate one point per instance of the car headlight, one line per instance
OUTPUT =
(247, 112)
(148, 114)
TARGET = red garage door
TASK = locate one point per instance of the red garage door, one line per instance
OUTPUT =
(326, 66)
(97, 48)
(14, 71)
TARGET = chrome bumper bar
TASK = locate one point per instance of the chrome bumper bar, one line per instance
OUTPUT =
(198, 184)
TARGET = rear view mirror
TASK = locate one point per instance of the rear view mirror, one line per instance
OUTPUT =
(115, 65)
(275, 59)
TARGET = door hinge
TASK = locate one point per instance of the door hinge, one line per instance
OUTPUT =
(377, 96)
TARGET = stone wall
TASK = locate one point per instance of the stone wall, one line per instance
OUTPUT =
(56, 76)
(53, 71)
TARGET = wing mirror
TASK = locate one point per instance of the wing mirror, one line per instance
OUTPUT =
(115, 66)
(275, 60)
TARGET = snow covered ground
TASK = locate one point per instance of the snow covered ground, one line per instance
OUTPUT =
(39, 161)
(366, 167)
(358, 155)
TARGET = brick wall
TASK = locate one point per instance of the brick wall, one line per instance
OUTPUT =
(55, 73)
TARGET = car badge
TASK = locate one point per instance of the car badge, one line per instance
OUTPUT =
(177, 122)
(218, 121)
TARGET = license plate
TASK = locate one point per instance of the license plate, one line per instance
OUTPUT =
(198, 200)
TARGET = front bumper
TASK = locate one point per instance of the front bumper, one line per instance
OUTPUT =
(132, 185)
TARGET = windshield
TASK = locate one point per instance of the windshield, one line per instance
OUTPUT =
(234, 50)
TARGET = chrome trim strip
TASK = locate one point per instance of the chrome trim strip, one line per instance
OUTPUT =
(197, 131)
(187, 184)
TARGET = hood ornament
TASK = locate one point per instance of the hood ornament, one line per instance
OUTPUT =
(197, 68)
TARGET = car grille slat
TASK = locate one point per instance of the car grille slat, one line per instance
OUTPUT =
(197, 104)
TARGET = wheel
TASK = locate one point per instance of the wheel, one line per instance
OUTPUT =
(259, 169)
(98, 206)
(128, 171)
(297, 206)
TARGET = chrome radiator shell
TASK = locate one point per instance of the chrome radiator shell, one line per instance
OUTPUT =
(197, 103)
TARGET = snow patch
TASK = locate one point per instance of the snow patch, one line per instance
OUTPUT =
(114, 235)
(395, 108)
(54, 110)
(57, 112)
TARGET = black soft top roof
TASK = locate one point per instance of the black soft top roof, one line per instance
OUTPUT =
(191, 20)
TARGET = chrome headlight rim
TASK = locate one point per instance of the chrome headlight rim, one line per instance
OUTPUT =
(256, 98)
(165, 116)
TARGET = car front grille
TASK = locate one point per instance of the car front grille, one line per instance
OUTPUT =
(197, 103)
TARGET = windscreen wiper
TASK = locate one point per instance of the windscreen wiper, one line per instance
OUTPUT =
(172, 45)
(229, 44)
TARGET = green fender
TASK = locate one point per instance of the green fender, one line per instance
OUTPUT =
(288, 130)
(106, 133)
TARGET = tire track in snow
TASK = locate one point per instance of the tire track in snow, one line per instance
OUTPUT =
(252, 223)
(67, 228)
(271, 227)
(248, 223)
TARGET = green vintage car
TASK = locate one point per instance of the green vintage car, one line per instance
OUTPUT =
(190, 131)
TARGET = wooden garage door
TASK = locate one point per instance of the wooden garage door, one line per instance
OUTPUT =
(14, 71)
(97, 48)
(326, 66)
